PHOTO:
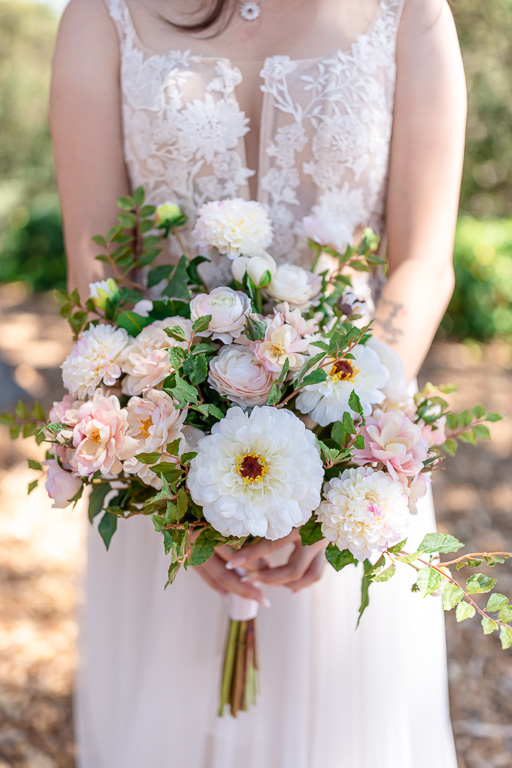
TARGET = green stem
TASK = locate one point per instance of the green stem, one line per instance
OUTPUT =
(229, 663)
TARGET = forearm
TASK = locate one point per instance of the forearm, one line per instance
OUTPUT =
(411, 307)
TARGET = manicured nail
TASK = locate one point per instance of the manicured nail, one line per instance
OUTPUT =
(253, 576)
(235, 562)
(264, 602)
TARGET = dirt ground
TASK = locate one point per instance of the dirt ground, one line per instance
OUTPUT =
(41, 552)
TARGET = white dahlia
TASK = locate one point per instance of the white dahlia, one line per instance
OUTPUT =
(257, 474)
(94, 360)
(364, 511)
(146, 359)
(233, 227)
(327, 401)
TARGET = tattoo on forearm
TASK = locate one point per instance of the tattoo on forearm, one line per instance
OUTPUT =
(388, 312)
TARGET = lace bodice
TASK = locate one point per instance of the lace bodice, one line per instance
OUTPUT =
(324, 133)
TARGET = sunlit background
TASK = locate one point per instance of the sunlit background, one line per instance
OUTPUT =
(41, 549)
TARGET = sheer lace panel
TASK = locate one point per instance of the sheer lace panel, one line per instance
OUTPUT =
(324, 133)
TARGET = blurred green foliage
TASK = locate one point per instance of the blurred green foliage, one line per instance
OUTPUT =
(481, 306)
(31, 246)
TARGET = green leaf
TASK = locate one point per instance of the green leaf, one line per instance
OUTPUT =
(359, 442)
(99, 240)
(107, 527)
(29, 430)
(465, 418)
(192, 272)
(34, 464)
(494, 417)
(148, 458)
(284, 371)
(354, 404)
(495, 602)
(440, 542)
(468, 437)
(97, 498)
(132, 322)
(202, 549)
(182, 501)
(126, 203)
(365, 589)
(31, 486)
(127, 220)
(176, 356)
(429, 580)
(506, 637)
(311, 532)
(38, 412)
(464, 611)
(196, 368)
(398, 547)
(482, 432)
(489, 625)
(339, 558)
(147, 210)
(21, 410)
(385, 574)
(186, 458)
(255, 329)
(139, 195)
(172, 572)
(7, 418)
(452, 595)
(157, 274)
(471, 562)
(479, 583)
(315, 377)
(338, 433)
(201, 324)
(168, 541)
(183, 392)
(173, 447)
(450, 446)
(274, 395)
(178, 284)
(479, 411)
(505, 613)
(176, 332)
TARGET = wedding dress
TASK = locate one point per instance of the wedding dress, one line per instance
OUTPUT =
(148, 683)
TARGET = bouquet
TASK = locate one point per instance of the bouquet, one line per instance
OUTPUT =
(187, 404)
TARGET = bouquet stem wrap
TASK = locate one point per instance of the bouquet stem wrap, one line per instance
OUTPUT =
(239, 687)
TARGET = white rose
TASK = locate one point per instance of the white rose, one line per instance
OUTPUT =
(396, 388)
(238, 375)
(228, 310)
(256, 267)
(295, 285)
(327, 231)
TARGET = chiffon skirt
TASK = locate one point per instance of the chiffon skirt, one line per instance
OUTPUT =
(331, 696)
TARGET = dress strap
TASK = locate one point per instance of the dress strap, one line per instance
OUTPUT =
(391, 11)
(122, 18)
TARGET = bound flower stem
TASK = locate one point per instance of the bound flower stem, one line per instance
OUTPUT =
(239, 686)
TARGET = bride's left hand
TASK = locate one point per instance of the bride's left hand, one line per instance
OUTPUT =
(305, 564)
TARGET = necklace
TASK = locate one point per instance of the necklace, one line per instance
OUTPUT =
(250, 11)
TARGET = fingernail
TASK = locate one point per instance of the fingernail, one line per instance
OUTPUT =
(250, 577)
(264, 602)
(235, 562)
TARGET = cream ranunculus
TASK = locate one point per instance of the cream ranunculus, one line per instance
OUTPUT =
(327, 232)
(146, 359)
(260, 268)
(234, 227)
(99, 437)
(94, 360)
(228, 310)
(236, 373)
(257, 474)
(282, 342)
(295, 285)
(153, 420)
(364, 511)
(327, 401)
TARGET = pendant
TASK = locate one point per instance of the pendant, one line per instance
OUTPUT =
(250, 11)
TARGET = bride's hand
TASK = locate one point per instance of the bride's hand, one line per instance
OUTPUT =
(305, 564)
(223, 580)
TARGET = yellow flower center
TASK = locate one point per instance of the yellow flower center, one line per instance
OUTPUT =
(277, 349)
(145, 425)
(343, 370)
(94, 435)
(251, 467)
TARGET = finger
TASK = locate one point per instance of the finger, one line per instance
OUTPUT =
(294, 569)
(263, 547)
(314, 573)
(211, 583)
(227, 553)
(231, 582)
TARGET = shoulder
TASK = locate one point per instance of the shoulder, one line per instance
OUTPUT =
(425, 19)
(86, 55)
(87, 34)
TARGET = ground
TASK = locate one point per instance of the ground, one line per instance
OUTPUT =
(41, 552)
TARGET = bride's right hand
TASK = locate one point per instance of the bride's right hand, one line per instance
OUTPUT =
(223, 580)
